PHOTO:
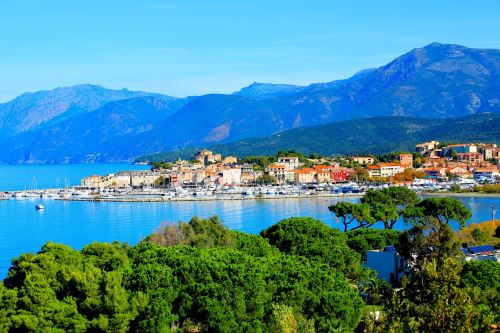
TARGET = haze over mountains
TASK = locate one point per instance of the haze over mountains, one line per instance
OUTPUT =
(92, 124)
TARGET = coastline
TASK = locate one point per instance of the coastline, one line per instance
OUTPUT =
(462, 194)
(220, 198)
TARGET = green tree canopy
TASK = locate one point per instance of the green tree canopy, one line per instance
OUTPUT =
(352, 215)
(314, 240)
(199, 277)
(387, 204)
(433, 301)
(443, 210)
(363, 240)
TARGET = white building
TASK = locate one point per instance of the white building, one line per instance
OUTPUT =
(290, 163)
(231, 176)
(389, 169)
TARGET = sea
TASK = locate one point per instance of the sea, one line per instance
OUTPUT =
(24, 229)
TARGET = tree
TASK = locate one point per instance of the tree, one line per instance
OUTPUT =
(484, 275)
(266, 179)
(443, 210)
(386, 205)
(360, 174)
(363, 240)
(202, 277)
(433, 301)
(314, 240)
(409, 175)
(285, 320)
(376, 291)
(349, 213)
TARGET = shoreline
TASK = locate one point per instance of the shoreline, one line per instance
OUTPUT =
(462, 194)
(277, 197)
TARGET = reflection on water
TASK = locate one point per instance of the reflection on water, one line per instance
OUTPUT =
(22, 228)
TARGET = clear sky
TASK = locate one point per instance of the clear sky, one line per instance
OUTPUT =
(192, 47)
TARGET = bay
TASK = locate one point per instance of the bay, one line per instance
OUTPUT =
(43, 176)
(24, 229)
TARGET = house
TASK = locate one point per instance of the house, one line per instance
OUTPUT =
(340, 174)
(490, 152)
(486, 173)
(231, 176)
(389, 265)
(374, 171)
(290, 162)
(435, 173)
(363, 159)
(304, 176)
(91, 181)
(206, 156)
(406, 160)
(277, 171)
(460, 171)
(323, 175)
(480, 252)
(389, 169)
(471, 158)
(463, 148)
(425, 147)
(230, 160)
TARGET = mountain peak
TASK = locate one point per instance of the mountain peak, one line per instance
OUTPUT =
(258, 90)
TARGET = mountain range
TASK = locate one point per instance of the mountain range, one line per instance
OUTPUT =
(87, 123)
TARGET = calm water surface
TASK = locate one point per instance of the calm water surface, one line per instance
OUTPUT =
(24, 229)
(23, 177)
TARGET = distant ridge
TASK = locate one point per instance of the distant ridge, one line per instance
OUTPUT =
(360, 136)
(74, 124)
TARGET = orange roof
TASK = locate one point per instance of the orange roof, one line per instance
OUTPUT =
(388, 164)
(374, 167)
(323, 167)
(276, 166)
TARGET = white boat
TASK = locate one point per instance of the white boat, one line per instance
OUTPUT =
(39, 207)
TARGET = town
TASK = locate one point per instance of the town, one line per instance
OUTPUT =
(432, 166)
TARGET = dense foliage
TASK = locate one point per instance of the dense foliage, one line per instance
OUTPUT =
(487, 232)
(440, 294)
(362, 240)
(187, 277)
(315, 240)
(369, 136)
(296, 276)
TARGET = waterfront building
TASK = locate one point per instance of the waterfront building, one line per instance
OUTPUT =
(277, 171)
(290, 162)
(304, 176)
(435, 173)
(489, 173)
(340, 174)
(231, 176)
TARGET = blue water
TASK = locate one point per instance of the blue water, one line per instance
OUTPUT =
(23, 229)
(22, 177)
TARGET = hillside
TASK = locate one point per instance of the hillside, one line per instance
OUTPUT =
(372, 135)
(30, 110)
(437, 81)
(88, 137)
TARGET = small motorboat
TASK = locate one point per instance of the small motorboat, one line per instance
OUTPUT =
(39, 207)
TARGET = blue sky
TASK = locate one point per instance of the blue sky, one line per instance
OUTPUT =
(193, 47)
